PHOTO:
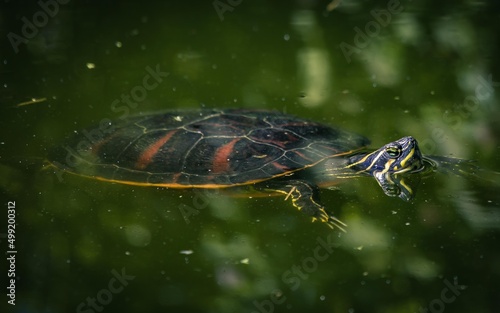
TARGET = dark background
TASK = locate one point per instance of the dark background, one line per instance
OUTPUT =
(416, 72)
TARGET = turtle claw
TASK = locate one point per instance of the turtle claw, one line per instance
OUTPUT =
(330, 221)
(335, 222)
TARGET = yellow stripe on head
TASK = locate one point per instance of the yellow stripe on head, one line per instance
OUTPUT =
(408, 157)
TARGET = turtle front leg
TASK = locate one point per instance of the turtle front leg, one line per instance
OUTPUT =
(305, 197)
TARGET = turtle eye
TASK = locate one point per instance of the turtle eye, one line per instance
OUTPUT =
(393, 151)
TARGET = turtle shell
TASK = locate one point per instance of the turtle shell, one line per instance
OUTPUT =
(202, 148)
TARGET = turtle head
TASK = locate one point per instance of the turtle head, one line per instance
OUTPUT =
(396, 157)
(386, 163)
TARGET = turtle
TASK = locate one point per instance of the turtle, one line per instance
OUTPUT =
(266, 151)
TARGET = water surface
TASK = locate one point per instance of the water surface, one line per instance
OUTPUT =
(384, 69)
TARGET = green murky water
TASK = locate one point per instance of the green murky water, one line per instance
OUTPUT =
(385, 69)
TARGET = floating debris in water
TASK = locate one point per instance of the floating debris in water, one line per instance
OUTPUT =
(333, 5)
(32, 101)
(186, 252)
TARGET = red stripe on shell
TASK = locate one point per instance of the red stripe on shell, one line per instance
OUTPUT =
(220, 162)
(147, 156)
(281, 166)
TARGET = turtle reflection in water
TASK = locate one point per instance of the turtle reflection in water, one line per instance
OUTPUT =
(265, 151)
